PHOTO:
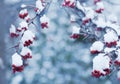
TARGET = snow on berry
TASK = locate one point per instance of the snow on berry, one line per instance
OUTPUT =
(27, 38)
(23, 26)
(100, 7)
(13, 32)
(75, 32)
(89, 14)
(101, 65)
(69, 3)
(17, 63)
(23, 13)
(26, 53)
(117, 60)
(39, 6)
(96, 47)
(110, 39)
(44, 21)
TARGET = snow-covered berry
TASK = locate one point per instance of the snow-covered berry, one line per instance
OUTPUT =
(96, 47)
(39, 6)
(101, 65)
(23, 26)
(26, 53)
(27, 38)
(100, 7)
(17, 63)
(23, 13)
(75, 32)
(44, 21)
(13, 32)
(110, 39)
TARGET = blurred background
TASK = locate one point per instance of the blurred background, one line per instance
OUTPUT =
(57, 59)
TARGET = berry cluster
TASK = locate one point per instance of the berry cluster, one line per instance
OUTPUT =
(25, 34)
(89, 22)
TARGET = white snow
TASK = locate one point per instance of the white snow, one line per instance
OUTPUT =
(115, 26)
(25, 50)
(39, 6)
(110, 37)
(28, 35)
(97, 45)
(23, 6)
(100, 5)
(75, 30)
(12, 29)
(44, 18)
(23, 24)
(100, 22)
(112, 18)
(89, 12)
(101, 62)
(23, 11)
(17, 60)
(108, 50)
